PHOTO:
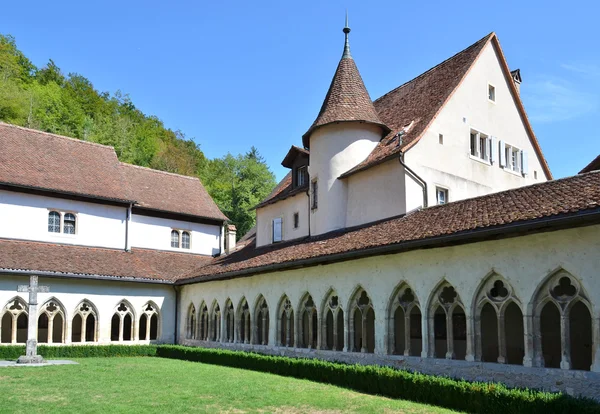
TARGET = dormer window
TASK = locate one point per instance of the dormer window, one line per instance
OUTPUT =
(301, 176)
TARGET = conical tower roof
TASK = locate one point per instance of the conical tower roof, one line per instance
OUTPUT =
(347, 99)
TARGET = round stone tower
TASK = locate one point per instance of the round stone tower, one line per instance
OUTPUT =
(345, 132)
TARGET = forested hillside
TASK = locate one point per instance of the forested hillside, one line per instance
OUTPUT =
(47, 100)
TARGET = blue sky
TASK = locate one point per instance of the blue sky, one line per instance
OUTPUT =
(235, 74)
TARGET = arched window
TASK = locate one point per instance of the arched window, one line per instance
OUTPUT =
(229, 321)
(332, 335)
(361, 323)
(185, 240)
(215, 322)
(405, 336)
(499, 334)
(14, 322)
(148, 326)
(85, 322)
(69, 223)
(51, 323)
(447, 324)
(203, 321)
(307, 323)
(175, 239)
(262, 322)
(121, 328)
(563, 324)
(54, 222)
(244, 322)
(286, 323)
(190, 329)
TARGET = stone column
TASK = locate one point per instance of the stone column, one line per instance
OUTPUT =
(147, 328)
(288, 329)
(121, 322)
(449, 336)
(310, 327)
(248, 332)
(536, 333)
(407, 333)
(477, 330)
(565, 342)
(50, 329)
(363, 339)
(428, 336)
(470, 338)
(83, 327)
(13, 335)
(501, 340)
(349, 331)
(595, 345)
(265, 332)
(334, 331)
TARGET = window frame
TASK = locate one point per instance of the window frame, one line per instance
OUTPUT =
(61, 222)
(189, 241)
(301, 175)
(513, 153)
(445, 191)
(178, 233)
(54, 224)
(180, 238)
(296, 218)
(491, 88)
(482, 141)
(273, 221)
(441, 139)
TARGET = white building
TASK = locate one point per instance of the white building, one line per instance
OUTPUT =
(422, 230)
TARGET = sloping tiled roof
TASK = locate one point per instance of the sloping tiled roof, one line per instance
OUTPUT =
(34, 159)
(420, 100)
(347, 100)
(60, 259)
(159, 190)
(282, 191)
(592, 166)
(499, 211)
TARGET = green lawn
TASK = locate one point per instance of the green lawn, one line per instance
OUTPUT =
(119, 385)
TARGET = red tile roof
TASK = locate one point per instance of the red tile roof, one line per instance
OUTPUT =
(420, 100)
(347, 100)
(159, 190)
(30, 158)
(34, 159)
(282, 191)
(498, 212)
(60, 259)
(592, 166)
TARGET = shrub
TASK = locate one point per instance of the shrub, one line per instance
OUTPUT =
(80, 351)
(476, 397)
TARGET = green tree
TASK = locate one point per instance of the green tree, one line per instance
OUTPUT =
(237, 184)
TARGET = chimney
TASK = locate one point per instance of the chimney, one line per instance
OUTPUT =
(516, 77)
(230, 232)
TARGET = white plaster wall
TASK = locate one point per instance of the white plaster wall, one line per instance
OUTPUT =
(450, 165)
(25, 216)
(524, 262)
(155, 233)
(284, 209)
(104, 295)
(334, 149)
(376, 193)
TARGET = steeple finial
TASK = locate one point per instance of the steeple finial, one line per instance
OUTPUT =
(346, 31)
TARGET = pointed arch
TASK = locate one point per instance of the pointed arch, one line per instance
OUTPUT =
(203, 317)
(562, 322)
(229, 319)
(122, 322)
(84, 325)
(52, 326)
(499, 335)
(215, 322)
(404, 321)
(190, 327)
(149, 324)
(285, 322)
(447, 324)
(14, 321)
(308, 323)
(261, 318)
(361, 322)
(244, 322)
(332, 322)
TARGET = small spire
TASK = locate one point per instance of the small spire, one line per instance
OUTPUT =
(346, 31)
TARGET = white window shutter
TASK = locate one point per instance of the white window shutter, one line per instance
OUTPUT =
(524, 162)
(276, 229)
(502, 154)
(493, 149)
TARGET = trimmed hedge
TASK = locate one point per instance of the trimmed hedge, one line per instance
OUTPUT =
(476, 397)
(80, 351)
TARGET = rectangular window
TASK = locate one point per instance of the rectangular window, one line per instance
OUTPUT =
(491, 93)
(296, 220)
(441, 195)
(301, 176)
(277, 234)
(315, 193)
(441, 139)
(480, 145)
(513, 158)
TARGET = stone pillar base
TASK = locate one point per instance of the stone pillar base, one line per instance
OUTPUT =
(35, 359)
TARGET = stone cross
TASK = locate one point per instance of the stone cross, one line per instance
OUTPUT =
(31, 356)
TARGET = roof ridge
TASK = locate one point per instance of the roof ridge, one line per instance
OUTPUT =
(489, 35)
(37, 131)
(159, 171)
